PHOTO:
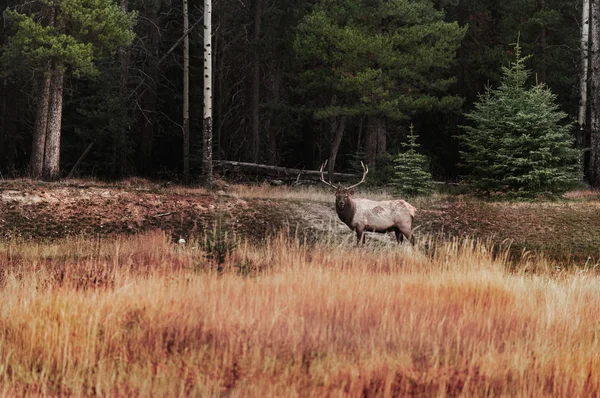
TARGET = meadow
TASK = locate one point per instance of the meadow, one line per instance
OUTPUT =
(143, 316)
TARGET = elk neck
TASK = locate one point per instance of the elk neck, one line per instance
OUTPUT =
(346, 211)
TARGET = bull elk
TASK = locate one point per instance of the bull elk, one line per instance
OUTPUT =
(363, 215)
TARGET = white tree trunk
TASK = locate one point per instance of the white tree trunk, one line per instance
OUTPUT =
(186, 94)
(207, 166)
(594, 175)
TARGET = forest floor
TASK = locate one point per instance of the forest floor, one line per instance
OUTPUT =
(566, 230)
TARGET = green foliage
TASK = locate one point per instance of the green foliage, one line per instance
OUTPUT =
(411, 174)
(72, 32)
(385, 58)
(517, 143)
(219, 243)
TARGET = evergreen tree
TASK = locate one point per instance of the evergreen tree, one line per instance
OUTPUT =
(382, 59)
(517, 143)
(57, 37)
(411, 174)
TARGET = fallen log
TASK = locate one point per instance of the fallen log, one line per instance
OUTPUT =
(278, 171)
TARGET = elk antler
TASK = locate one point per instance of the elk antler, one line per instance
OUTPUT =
(365, 171)
(323, 178)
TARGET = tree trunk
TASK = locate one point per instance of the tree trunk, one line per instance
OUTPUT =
(36, 163)
(583, 82)
(338, 129)
(371, 141)
(218, 71)
(4, 135)
(359, 139)
(381, 136)
(119, 137)
(543, 76)
(375, 139)
(272, 134)
(52, 148)
(147, 115)
(207, 164)
(594, 174)
(38, 146)
(186, 95)
(256, 84)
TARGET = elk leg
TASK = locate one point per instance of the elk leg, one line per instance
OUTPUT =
(408, 234)
(399, 236)
(360, 236)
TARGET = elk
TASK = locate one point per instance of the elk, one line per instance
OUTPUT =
(365, 215)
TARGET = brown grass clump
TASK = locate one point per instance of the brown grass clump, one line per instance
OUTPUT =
(287, 319)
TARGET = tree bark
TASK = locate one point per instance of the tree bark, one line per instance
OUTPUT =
(279, 172)
(543, 77)
(594, 172)
(375, 139)
(52, 148)
(256, 84)
(271, 133)
(6, 138)
(359, 139)
(38, 146)
(218, 94)
(583, 83)
(186, 95)
(36, 163)
(119, 137)
(207, 164)
(381, 136)
(338, 129)
(147, 115)
(371, 141)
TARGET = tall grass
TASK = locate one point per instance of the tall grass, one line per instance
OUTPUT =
(143, 317)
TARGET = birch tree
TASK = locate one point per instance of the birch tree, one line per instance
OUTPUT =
(594, 172)
(583, 79)
(207, 166)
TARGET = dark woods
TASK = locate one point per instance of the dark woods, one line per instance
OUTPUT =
(294, 82)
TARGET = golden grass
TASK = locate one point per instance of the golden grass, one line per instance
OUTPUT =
(143, 317)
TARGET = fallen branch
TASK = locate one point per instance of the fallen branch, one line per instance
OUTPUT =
(83, 155)
(277, 171)
(162, 214)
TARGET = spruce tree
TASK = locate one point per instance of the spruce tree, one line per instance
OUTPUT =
(518, 143)
(411, 174)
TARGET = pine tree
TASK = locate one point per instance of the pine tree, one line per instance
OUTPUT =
(412, 177)
(54, 39)
(517, 143)
(384, 60)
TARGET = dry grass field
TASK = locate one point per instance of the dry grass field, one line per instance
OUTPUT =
(141, 316)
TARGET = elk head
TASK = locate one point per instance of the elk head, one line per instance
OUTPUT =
(342, 195)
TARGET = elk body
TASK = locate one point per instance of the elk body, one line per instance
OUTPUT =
(365, 215)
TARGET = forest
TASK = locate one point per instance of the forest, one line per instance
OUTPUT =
(295, 82)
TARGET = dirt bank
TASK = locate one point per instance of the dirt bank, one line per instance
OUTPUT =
(31, 210)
